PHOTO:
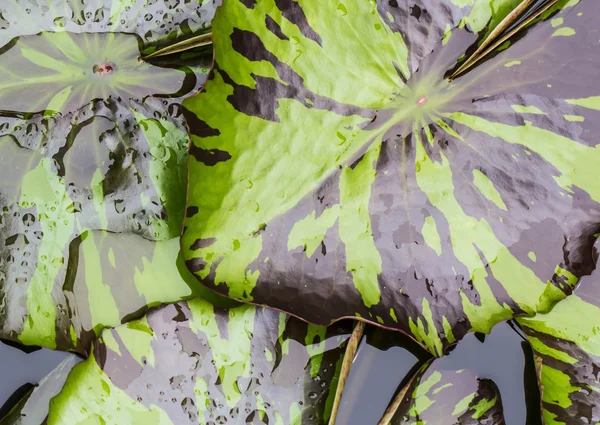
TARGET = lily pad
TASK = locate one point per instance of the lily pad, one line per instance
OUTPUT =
(337, 171)
(193, 363)
(449, 397)
(566, 348)
(443, 391)
(93, 152)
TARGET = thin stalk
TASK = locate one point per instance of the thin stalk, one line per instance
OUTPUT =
(190, 43)
(502, 26)
(357, 334)
(540, 4)
(395, 404)
(496, 38)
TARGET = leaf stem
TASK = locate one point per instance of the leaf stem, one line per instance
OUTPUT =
(395, 404)
(190, 43)
(499, 35)
(357, 334)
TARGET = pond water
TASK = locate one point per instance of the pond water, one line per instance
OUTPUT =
(383, 363)
(20, 371)
(502, 356)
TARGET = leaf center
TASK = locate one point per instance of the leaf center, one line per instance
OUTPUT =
(104, 68)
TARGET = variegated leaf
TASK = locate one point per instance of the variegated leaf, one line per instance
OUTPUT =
(193, 363)
(566, 344)
(92, 140)
(335, 171)
(501, 363)
(449, 397)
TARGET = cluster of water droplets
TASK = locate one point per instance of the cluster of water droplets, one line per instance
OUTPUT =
(153, 20)
(100, 151)
(269, 376)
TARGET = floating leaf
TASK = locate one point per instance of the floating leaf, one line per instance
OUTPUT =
(566, 345)
(193, 363)
(449, 397)
(93, 206)
(501, 361)
(336, 172)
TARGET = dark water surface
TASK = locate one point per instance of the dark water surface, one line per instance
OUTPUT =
(383, 363)
(17, 369)
(380, 370)
(502, 357)
(383, 360)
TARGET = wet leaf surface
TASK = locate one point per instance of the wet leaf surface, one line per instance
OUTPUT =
(191, 363)
(567, 356)
(366, 184)
(450, 397)
(157, 21)
(93, 153)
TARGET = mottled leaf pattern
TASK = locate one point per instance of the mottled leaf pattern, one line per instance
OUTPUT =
(566, 344)
(449, 397)
(93, 154)
(193, 363)
(334, 172)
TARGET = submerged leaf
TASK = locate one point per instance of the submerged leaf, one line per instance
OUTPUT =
(93, 153)
(336, 172)
(193, 363)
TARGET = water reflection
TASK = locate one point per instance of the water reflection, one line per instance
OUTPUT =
(386, 360)
(383, 360)
(20, 370)
(501, 357)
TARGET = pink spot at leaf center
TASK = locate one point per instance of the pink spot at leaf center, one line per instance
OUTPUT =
(104, 68)
(422, 101)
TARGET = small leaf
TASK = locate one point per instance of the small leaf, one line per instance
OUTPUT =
(200, 363)
(445, 397)
(565, 343)
(93, 155)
